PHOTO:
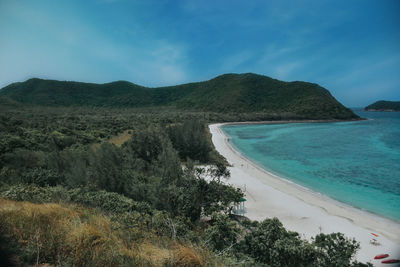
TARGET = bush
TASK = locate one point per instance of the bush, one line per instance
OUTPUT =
(40, 177)
(335, 249)
(106, 201)
(270, 243)
(35, 194)
(223, 233)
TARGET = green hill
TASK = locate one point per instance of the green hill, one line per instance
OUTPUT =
(228, 93)
(383, 105)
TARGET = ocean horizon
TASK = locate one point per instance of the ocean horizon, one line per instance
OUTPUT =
(355, 162)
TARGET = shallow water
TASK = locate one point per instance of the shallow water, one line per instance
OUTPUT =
(357, 163)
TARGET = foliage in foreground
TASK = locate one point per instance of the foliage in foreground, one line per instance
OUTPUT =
(71, 235)
(269, 243)
(224, 242)
(66, 189)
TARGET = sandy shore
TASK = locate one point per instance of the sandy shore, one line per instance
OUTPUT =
(302, 210)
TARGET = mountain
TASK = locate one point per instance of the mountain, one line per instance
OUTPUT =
(228, 93)
(383, 105)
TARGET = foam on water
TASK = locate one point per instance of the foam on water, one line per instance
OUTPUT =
(357, 163)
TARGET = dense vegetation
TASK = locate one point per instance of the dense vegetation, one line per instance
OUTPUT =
(259, 95)
(69, 196)
(383, 105)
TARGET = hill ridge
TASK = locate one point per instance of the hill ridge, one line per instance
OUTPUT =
(384, 105)
(226, 93)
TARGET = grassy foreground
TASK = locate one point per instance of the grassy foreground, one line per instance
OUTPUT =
(73, 235)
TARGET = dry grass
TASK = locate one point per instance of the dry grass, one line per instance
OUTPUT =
(52, 233)
(186, 256)
(72, 235)
(121, 138)
(175, 255)
(154, 254)
(117, 140)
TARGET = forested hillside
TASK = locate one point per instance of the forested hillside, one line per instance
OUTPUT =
(383, 105)
(69, 196)
(229, 93)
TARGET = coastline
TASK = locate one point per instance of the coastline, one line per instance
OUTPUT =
(301, 209)
(288, 121)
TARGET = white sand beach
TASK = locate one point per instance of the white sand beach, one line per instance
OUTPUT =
(304, 211)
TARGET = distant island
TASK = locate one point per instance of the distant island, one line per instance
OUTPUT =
(383, 105)
(260, 96)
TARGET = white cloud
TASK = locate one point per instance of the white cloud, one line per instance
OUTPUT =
(283, 72)
(365, 68)
(159, 64)
(70, 48)
(232, 62)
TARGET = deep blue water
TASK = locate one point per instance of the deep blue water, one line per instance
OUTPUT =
(357, 163)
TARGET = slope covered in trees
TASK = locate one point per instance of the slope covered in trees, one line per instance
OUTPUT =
(229, 93)
(70, 197)
(383, 105)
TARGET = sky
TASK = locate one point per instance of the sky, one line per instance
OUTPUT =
(352, 48)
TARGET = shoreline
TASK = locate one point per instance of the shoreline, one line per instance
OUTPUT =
(309, 190)
(301, 209)
(288, 121)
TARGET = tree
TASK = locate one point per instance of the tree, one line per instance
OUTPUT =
(145, 144)
(336, 250)
(270, 243)
(223, 233)
(105, 168)
(190, 140)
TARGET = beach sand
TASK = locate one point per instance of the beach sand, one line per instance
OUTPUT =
(303, 210)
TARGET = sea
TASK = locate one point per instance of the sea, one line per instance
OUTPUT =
(356, 162)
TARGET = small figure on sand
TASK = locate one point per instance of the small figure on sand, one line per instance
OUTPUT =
(374, 241)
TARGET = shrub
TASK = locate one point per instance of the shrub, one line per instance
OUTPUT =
(222, 235)
(103, 200)
(107, 201)
(32, 193)
(335, 249)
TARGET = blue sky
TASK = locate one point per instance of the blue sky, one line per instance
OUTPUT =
(352, 48)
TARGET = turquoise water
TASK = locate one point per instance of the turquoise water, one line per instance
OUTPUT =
(357, 163)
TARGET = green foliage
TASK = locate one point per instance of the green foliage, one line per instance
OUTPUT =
(63, 155)
(146, 168)
(146, 144)
(229, 93)
(336, 249)
(35, 194)
(105, 168)
(223, 233)
(270, 243)
(190, 140)
(40, 176)
(384, 105)
(106, 201)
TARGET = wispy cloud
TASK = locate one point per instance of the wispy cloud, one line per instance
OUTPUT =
(234, 61)
(284, 71)
(343, 46)
(77, 50)
(162, 64)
